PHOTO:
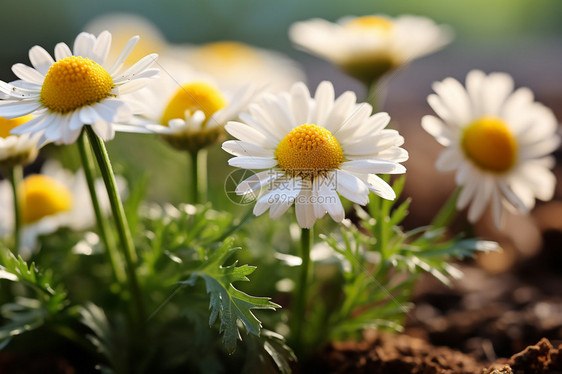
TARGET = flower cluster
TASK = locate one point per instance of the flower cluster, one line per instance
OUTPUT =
(110, 266)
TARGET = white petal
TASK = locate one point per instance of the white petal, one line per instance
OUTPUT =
(455, 98)
(352, 123)
(497, 87)
(75, 121)
(123, 55)
(285, 199)
(249, 134)
(328, 197)
(143, 64)
(62, 51)
(449, 160)
(373, 167)
(248, 162)
(239, 148)
(101, 47)
(88, 115)
(466, 194)
(300, 103)
(40, 59)
(259, 180)
(341, 109)
(437, 128)
(521, 203)
(497, 209)
(380, 187)
(481, 199)
(18, 92)
(28, 74)
(352, 188)
(13, 109)
(324, 98)
(84, 45)
(304, 210)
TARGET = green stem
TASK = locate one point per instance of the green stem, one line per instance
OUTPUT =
(376, 94)
(16, 177)
(123, 229)
(198, 176)
(447, 212)
(301, 291)
(105, 232)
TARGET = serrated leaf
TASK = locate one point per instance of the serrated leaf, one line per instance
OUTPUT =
(226, 301)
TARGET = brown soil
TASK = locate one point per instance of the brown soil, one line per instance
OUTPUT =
(403, 354)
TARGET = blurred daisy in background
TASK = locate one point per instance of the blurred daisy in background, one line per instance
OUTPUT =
(189, 108)
(122, 27)
(368, 47)
(498, 141)
(79, 88)
(16, 149)
(235, 64)
(314, 148)
(53, 199)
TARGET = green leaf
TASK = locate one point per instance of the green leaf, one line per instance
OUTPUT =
(269, 353)
(226, 301)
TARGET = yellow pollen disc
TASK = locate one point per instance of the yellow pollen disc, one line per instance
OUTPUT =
(43, 196)
(368, 23)
(226, 52)
(309, 149)
(6, 125)
(74, 82)
(489, 143)
(193, 97)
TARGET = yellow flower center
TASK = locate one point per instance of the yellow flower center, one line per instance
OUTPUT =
(193, 97)
(226, 52)
(308, 150)
(370, 23)
(489, 143)
(74, 82)
(43, 196)
(6, 125)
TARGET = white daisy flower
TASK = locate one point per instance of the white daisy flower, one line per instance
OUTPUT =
(50, 200)
(234, 64)
(14, 149)
(314, 148)
(122, 26)
(498, 141)
(190, 108)
(368, 47)
(78, 88)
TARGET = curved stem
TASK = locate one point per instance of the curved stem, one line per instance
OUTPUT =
(301, 292)
(198, 176)
(123, 229)
(16, 177)
(105, 232)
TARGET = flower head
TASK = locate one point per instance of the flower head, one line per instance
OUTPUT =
(370, 46)
(235, 64)
(50, 200)
(498, 141)
(16, 149)
(314, 148)
(79, 88)
(190, 108)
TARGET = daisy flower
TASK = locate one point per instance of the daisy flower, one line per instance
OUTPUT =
(498, 142)
(190, 108)
(50, 200)
(370, 46)
(122, 26)
(79, 88)
(14, 149)
(314, 148)
(234, 64)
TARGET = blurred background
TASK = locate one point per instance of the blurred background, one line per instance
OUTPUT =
(520, 37)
